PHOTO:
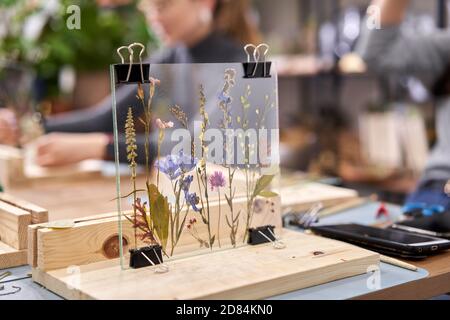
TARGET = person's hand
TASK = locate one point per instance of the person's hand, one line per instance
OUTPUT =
(58, 149)
(9, 130)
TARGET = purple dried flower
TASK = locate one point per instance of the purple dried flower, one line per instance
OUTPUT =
(217, 180)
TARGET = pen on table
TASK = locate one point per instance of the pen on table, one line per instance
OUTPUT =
(398, 263)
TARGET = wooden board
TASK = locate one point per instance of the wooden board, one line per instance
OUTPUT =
(17, 168)
(13, 226)
(38, 214)
(11, 166)
(15, 217)
(249, 272)
(96, 238)
(301, 196)
(10, 257)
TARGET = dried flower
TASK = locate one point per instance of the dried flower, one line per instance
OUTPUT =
(191, 222)
(217, 180)
(193, 200)
(186, 183)
(130, 135)
(179, 114)
(175, 165)
(164, 125)
(140, 92)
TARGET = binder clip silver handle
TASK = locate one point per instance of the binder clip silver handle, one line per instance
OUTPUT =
(161, 267)
(277, 243)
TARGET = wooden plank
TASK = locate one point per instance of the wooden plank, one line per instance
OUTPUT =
(17, 168)
(249, 272)
(92, 240)
(11, 166)
(32, 234)
(302, 196)
(13, 226)
(10, 257)
(38, 214)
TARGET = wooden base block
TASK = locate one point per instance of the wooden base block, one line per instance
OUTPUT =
(10, 257)
(95, 238)
(249, 272)
(16, 215)
(13, 226)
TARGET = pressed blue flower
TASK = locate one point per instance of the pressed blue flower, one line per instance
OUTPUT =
(186, 183)
(187, 162)
(175, 165)
(192, 199)
(223, 97)
(170, 166)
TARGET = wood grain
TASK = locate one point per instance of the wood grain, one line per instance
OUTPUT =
(38, 214)
(249, 272)
(13, 226)
(10, 257)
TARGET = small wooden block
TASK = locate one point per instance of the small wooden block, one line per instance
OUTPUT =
(10, 257)
(13, 226)
(249, 272)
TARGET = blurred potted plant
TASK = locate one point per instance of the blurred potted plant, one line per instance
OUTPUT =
(35, 33)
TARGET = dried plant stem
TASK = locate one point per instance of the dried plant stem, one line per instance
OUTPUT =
(176, 223)
(130, 135)
(234, 223)
(218, 220)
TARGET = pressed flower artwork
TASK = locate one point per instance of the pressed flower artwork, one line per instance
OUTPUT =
(198, 179)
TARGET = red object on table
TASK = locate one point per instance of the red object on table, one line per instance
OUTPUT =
(382, 211)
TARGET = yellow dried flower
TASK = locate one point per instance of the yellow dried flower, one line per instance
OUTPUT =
(130, 136)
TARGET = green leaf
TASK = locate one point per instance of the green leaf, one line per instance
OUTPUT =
(262, 183)
(268, 194)
(160, 213)
(152, 192)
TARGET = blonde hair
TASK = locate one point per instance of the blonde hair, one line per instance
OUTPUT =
(232, 18)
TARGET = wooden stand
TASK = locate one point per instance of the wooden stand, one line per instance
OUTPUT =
(15, 217)
(95, 238)
(249, 272)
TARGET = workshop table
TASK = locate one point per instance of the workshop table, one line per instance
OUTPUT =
(431, 280)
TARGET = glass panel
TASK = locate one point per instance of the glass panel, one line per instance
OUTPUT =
(201, 143)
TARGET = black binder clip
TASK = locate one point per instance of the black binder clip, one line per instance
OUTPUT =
(264, 234)
(129, 73)
(257, 69)
(148, 256)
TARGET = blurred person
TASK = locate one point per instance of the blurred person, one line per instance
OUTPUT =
(389, 50)
(192, 31)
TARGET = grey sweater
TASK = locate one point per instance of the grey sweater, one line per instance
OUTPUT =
(390, 50)
(215, 48)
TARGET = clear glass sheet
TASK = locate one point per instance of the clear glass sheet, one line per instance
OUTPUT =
(206, 142)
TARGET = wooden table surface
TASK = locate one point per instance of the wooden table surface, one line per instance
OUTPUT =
(437, 283)
(85, 197)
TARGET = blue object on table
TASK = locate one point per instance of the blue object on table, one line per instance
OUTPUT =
(421, 208)
(430, 193)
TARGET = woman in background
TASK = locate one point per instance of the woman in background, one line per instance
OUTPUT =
(390, 50)
(192, 31)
